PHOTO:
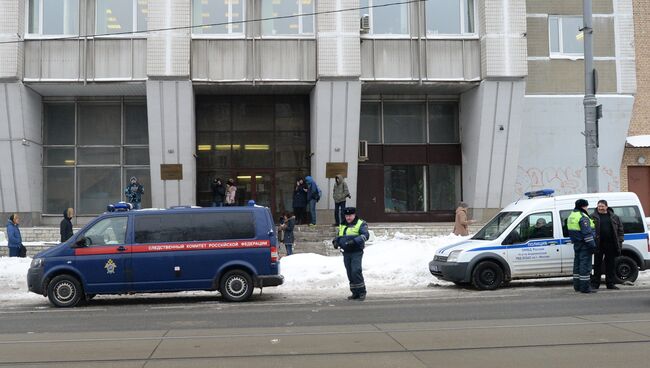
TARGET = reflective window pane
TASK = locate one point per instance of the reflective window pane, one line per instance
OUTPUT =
(59, 189)
(252, 150)
(135, 124)
(285, 182)
(290, 115)
(469, 17)
(142, 15)
(443, 17)
(99, 124)
(404, 188)
(286, 24)
(59, 124)
(136, 155)
(443, 123)
(370, 122)
(60, 17)
(213, 115)
(58, 156)
(386, 16)
(108, 231)
(554, 34)
(114, 16)
(404, 122)
(291, 149)
(204, 182)
(97, 187)
(572, 41)
(444, 187)
(34, 20)
(98, 155)
(226, 15)
(144, 178)
(253, 113)
(214, 149)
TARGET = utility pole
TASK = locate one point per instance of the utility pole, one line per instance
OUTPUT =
(590, 102)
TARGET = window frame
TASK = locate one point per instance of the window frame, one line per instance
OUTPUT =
(560, 31)
(229, 35)
(463, 24)
(371, 33)
(300, 34)
(134, 33)
(39, 34)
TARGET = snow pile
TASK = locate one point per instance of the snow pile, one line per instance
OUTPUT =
(13, 279)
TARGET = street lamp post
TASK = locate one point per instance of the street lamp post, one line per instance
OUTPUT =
(590, 102)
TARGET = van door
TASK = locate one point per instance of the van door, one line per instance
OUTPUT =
(532, 249)
(104, 259)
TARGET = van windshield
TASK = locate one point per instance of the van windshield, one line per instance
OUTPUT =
(496, 226)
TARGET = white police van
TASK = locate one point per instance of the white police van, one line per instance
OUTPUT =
(529, 239)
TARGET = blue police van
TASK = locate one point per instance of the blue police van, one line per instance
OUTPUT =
(229, 249)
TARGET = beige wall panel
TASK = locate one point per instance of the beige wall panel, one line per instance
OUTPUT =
(60, 59)
(226, 59)
(604, 43)
(113, 58)
(286, 59)
(199, 67)
(139, 59)
(387, 59)
(567, 77)
(445, 59)
(537, 35)
(472, 60)
(566, 7)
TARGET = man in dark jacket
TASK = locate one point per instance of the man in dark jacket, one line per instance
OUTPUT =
(14, 239)
(66, 225)
(287, 227)
(133, 192)
(218, 193)
(581, 231)
(609, 241)
(351, 240)
(299, 202)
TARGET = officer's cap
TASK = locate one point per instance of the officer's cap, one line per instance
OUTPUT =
(582, 203)
(349, 211)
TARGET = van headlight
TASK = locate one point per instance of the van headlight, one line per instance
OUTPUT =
(37, 262)
(453, 256)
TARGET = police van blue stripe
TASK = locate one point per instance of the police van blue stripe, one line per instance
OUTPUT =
(637, 236)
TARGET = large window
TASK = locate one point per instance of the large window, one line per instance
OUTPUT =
(53, 17)
(227, 17)
(450, 17)
(565, 37)
(284, 23)
(409, 122)
(119, 16)
(404, 188)
(90, 151)
(386, 17)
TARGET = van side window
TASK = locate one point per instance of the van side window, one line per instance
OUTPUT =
(534, 226)
(182, 227)
(631, 218)
(108, 231)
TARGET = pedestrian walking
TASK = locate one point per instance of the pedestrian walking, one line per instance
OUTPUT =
(133, 192)
(300, 201)
(313, 196)
(289, 222)
(581, 231)
(340, 193)
(231, 192)
(351, 240)
(218, 193)
(65, 227)
(609, 241)
(461, 225)
(14, 239)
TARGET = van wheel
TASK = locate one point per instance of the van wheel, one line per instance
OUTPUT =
(487, 276)
(625, 269)
(236, 286)
(64, 291)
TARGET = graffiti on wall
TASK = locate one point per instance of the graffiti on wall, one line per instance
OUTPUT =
(564, 180)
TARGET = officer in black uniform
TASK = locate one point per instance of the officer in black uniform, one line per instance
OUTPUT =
(351, 240)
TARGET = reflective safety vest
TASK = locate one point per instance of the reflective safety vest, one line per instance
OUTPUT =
(573, 222)
(351, 231)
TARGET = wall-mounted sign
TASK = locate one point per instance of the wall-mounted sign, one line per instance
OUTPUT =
(336, 168)
(171, 172)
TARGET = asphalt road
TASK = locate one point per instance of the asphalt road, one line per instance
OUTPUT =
(527, 323)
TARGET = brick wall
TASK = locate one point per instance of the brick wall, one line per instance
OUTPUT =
(640, 124)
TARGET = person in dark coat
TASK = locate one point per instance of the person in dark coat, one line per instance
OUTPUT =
(14, 239)
(287, 227)
(299, 202)
(66, 225)
(581, 231)
(351, 240)
(133, 192)
(609, 241)
(218, 193)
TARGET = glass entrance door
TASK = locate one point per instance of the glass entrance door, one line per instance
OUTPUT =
(255, 185)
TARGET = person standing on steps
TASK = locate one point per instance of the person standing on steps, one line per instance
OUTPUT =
(313, 196)
(340, 193)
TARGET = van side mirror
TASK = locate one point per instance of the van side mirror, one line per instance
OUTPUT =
(81, 242)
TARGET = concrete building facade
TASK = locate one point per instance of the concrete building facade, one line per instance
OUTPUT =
(422, 105)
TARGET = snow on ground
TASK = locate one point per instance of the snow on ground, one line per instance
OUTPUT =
(390, 265)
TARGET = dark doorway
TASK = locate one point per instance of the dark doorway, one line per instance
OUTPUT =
(638, 179)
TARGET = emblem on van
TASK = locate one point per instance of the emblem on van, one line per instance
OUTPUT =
(110, 267)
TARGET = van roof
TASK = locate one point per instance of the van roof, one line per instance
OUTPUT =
(568, 201)
(192, 209)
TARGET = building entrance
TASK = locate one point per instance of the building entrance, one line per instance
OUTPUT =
(261, 142)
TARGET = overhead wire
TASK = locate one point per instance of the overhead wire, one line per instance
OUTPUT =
(90, 36)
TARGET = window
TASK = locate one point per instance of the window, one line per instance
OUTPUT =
(386, 17)
(285, 24)
(226, 15)
(496, 226)
(450, 17)
(565, 37)
(444, 186)
(53, 17)
(630, 218)
(404, 189)
(183, 227)
(119, 16)
(370, 122)
(404, 122)
(443, 123)
(535, 226)
(107, 231)
(88, 170)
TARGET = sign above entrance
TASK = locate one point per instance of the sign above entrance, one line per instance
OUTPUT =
(171, 172)
(336, 168)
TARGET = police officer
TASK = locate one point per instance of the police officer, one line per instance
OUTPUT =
(581, 231)
(351, 240)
